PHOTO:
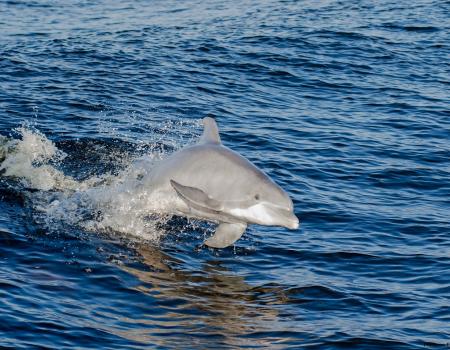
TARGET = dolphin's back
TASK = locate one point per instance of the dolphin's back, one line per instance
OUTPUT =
(215, 169)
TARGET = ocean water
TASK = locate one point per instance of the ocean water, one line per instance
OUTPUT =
(345, 104)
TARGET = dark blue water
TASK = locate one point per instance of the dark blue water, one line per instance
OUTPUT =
(345, 104)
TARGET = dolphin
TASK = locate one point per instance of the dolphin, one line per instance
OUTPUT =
(209, 181)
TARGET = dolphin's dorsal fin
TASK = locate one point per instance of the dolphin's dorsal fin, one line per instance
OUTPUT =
(210, 131)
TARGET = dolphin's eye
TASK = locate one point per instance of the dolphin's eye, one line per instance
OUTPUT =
(257, 197)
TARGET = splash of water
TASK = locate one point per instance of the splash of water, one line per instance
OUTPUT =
(111, 202)
(29, 160)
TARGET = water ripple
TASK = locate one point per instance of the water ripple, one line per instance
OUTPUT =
(344, 104)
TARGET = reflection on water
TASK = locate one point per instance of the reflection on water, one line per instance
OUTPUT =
(211, 302)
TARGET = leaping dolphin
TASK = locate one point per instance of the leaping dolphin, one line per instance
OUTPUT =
(211, 182)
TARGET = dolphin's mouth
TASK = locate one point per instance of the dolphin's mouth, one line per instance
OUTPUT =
(282, 217)
(293, 224)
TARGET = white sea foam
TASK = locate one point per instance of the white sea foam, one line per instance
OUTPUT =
(28, 160)
(110, 202)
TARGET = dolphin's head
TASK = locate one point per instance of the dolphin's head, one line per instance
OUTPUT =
(271, 206)
(266, 204)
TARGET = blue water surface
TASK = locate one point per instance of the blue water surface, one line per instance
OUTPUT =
(345, 104)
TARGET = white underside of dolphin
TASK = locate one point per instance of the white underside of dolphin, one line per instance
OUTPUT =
(211, 182)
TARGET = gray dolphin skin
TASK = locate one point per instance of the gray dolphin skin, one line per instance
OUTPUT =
(209, 181)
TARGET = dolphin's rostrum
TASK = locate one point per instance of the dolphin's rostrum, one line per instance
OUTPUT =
(211, 182)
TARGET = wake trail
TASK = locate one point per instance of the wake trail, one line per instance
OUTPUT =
(119, 202)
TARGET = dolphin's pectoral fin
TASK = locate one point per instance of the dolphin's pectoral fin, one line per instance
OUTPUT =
(226, 234)
(196, 197)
